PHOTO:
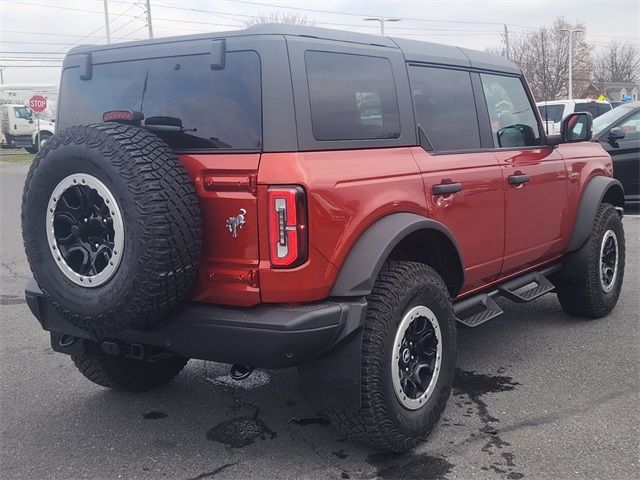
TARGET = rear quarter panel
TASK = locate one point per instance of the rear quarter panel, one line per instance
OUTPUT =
(347, 191)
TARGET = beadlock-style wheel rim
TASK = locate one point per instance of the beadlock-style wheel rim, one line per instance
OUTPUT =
(417, 357)
(608, 261)
(85, 230)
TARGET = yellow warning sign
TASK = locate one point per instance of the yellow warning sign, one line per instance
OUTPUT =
(602, 98)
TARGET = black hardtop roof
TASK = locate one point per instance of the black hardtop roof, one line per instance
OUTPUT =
(413, 50)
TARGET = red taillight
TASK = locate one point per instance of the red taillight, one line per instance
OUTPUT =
(122, 116)
(287, 226)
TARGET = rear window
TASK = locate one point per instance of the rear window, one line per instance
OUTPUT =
(219, 109)
(551, 113)
(353, 97)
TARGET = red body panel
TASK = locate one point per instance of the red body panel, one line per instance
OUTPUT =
(225, 183)
(535, 211)
(501, 230)
(475, 215)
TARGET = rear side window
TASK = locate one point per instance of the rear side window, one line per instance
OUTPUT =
(219, 109)
(551, 113)
(603, 108)
(445, 108)
(513, 122)
(353, 97)
(592, 108)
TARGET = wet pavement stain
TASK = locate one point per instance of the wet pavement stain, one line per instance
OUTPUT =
(409, 466)
(154, 415)
(213, 473)
(340, 454)
(475, 386)
(240, 432)
(344, 475)
(303, 422)
(515, 475)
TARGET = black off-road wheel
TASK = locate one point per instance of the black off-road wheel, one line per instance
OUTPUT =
(408, 359)
(594, 293)
(111, 227)
(127, 374)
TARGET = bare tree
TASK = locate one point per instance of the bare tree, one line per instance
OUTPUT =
(619, 62)
(543, 55)
(280, 17)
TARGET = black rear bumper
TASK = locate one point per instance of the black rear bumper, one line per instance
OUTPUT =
(266, 336)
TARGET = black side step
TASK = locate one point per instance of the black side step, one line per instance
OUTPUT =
(477, 310)
(513, 289)
(482, 307)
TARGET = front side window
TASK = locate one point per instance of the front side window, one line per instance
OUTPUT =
(22, 112)
(631, 127)
(218, 109)
(445, 107)
(353, 97)
(513, 122)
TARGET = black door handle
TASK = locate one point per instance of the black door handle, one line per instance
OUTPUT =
(518, 179)
(446, 188)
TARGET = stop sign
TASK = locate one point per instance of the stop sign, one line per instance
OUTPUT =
(38, 103)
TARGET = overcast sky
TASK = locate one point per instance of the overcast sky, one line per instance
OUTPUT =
(46, 29)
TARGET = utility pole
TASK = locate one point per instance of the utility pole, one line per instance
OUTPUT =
(382, 20)
(106, 21)
(506, 40)
(149, 19)
(571, 32)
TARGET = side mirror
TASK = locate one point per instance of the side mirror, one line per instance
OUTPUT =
(616, 133)
(576, 127)
(516, 135)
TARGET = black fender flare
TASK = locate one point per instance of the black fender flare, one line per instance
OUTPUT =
(361, 267)
(598, 188)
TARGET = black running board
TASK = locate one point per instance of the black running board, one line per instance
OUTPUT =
(482, 307)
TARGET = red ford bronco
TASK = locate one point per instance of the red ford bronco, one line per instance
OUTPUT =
(294, 196)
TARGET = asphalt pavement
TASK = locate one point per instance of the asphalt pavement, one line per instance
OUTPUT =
(538, 395)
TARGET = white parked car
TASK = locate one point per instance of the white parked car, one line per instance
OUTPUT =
(554, 111)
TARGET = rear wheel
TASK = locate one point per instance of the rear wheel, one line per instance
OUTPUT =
(596, 292)
(408, 359)
(127, 374)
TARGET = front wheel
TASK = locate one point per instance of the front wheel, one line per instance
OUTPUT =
(594, 294)
(408, 359)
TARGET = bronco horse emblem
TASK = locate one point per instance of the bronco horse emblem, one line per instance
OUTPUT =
(234, 223)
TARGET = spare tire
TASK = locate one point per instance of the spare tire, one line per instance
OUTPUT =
(111, 226)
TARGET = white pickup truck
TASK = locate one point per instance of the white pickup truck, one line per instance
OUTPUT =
(19, 129)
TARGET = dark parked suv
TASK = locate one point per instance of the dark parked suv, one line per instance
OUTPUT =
(294, 196)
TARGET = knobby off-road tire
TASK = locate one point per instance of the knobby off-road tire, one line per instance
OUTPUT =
(158, 213)
(382, 421)
(126, 374)
(589, 295)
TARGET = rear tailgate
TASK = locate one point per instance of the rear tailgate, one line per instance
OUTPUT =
(226, 185)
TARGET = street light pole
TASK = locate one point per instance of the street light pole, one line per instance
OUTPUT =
(571, 32)
(382, 20)
(149, 24)
(106, 21)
